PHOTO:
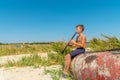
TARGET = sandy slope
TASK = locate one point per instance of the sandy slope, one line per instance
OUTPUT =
(24, 73)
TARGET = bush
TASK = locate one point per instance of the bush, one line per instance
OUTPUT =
(104, 44)
(59, 46)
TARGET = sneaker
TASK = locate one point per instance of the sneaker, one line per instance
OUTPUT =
(64, 76)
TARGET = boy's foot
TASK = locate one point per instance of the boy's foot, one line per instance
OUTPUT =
(64, 75)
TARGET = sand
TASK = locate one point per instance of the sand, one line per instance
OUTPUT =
(24, 73)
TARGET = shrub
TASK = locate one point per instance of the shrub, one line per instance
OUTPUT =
(104, 44)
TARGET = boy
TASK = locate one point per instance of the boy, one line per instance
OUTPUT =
(80, 44)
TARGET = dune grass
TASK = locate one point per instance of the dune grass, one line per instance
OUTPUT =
(107, 43)
(36, 61)
(33, 60)
(14, 49)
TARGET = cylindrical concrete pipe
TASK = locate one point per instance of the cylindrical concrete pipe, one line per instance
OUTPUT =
(96, 66)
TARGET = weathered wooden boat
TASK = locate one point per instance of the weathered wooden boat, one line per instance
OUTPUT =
(97, 66)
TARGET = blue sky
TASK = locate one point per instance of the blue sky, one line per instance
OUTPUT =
(55, 20)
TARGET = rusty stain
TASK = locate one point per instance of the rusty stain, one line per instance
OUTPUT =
(89, 59)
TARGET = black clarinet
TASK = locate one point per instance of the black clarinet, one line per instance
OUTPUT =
(68, 43)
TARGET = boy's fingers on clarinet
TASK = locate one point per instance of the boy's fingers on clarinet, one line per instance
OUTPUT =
(72, 41)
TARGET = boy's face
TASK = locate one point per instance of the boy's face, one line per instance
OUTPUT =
(79, 30)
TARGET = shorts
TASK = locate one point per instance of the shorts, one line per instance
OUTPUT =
(76, 52)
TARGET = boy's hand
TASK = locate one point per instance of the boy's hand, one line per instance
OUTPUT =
(69, 44)
(72, 41)
(73, 45)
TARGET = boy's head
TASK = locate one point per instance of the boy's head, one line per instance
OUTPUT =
(79, 28)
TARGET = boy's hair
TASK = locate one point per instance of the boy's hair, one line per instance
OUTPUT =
(80, 25)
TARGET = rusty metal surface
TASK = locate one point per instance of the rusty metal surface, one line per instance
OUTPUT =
(96, 66)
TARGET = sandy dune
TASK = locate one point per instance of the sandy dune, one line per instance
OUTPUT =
(26, 73)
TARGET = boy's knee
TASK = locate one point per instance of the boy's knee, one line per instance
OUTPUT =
(67, 56)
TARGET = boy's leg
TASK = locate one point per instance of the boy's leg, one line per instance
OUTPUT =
(70, 56)
(67, 64)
